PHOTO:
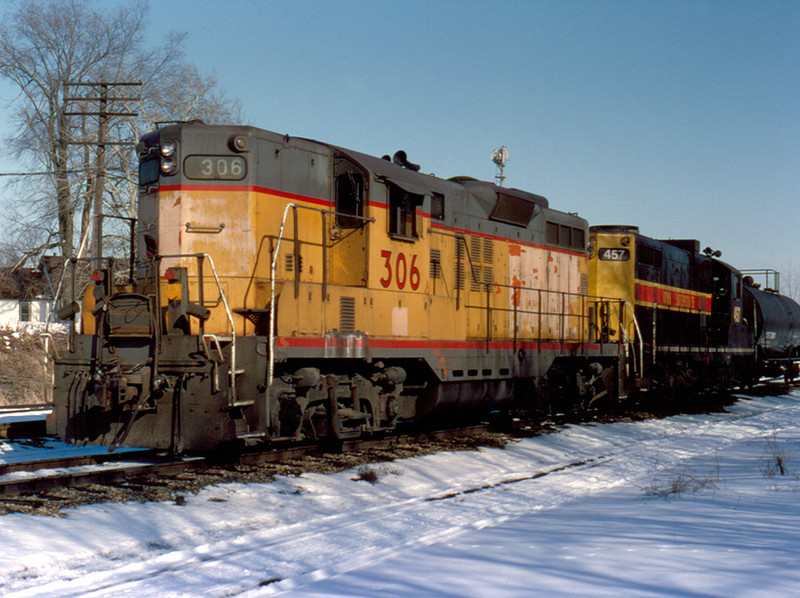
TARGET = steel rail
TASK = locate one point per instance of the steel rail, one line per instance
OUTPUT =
(110, 472)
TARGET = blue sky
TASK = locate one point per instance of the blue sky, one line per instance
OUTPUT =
(682, 117)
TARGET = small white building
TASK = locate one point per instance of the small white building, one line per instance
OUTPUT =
(16, 312)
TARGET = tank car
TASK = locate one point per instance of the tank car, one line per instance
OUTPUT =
(775, 321)
(290, 289)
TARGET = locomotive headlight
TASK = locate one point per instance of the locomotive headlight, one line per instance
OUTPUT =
(169, 166)
(238, 143)
(168, 149)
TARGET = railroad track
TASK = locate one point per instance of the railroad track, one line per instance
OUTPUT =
(24, 421)
(85, 470)
(281, 454)
(5, 409)
(23, 480)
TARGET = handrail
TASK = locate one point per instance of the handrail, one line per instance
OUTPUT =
(563, 298)
(638, 333)
(81, 249)
(271, 336)
(624, 332)
(64, 268)
(460, 239)
(273, 268)
(562, 295)
(209, 230)
(202, 256)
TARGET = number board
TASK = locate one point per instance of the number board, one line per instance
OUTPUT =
(610, 254)
(224, 168)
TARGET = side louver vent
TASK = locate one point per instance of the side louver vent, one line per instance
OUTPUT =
(436, 263)
(347, 314)
(461, 265)
(290, 263)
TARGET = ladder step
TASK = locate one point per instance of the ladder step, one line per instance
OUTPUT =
(251, 435)
(241, 404)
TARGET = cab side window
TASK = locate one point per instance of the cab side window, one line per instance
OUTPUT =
(403, 212)
(349, 200)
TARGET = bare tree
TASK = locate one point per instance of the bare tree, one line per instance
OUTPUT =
(45, 44)
(42, 46)
(790, 280)
(186, 94)
(179, 93)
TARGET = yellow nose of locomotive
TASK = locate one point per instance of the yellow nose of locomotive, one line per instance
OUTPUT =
(612, 274)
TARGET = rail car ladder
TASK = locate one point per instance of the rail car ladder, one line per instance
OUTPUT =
(213, 346)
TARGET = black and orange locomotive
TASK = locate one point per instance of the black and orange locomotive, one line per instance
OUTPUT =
(699, 323)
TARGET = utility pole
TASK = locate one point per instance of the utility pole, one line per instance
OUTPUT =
(98, 94)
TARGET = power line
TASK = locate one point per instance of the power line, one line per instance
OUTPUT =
(44, 172)
(99, 94)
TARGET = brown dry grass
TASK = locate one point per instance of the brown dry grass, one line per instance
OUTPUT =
(26, 366)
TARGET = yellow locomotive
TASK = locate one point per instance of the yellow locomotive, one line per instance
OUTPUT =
(286, 289)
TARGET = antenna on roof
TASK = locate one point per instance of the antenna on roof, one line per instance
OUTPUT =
(500, 157)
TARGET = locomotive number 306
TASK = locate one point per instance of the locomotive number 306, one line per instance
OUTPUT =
(226, 168)
(400, 271)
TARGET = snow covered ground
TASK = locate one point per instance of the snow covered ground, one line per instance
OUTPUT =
(688, 506)
(10, 415)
